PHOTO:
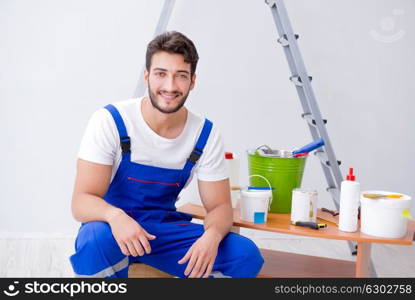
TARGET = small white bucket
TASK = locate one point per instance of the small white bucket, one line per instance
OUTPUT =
(384, 217)
(254, 205)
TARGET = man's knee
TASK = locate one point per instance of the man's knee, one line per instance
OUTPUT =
(244, 254)
(95, 233)
(97, 253)
(252, 255)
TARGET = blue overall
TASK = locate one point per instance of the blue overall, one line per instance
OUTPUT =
(148, 195)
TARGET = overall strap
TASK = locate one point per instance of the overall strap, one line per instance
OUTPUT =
(122, 131)
(197, 151)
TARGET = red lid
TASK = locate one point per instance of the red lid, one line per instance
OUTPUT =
(228, 155)
(350, 176)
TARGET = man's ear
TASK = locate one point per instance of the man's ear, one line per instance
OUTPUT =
(192, 84)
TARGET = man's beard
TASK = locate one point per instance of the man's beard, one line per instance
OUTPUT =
(179, 105)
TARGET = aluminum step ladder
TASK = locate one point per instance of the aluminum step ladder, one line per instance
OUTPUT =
(302, 82)
(311, 112)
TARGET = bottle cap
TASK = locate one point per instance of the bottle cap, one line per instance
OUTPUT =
(229, 155)
(350, 176)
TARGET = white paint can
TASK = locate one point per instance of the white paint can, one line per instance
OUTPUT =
(384, 217)
(304, 205)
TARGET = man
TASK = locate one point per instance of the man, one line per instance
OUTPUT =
(135, 158)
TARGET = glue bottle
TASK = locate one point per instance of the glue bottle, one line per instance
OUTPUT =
(349, 203)
(233, 165)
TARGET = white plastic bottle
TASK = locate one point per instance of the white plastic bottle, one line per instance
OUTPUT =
(233, 165)
(349, 203)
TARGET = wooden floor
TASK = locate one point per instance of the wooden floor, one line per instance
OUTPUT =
(46, 255)
(277, 264)
(144, 271)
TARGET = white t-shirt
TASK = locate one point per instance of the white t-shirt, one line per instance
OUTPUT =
(101, 143)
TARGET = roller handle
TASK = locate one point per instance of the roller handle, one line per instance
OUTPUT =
(310, 147)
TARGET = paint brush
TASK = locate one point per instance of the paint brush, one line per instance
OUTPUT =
(380, 196)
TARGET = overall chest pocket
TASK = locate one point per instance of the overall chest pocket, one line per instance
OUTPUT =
(154, 191)
(177, 184)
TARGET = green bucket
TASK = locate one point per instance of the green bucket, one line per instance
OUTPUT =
(284, 175)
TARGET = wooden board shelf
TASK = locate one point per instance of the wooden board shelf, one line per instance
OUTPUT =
(280, 223)
(283, 264)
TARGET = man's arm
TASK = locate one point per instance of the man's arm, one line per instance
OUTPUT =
(91, 184)
(216, 199)
(201, 256)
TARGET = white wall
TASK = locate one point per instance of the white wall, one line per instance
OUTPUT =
(62, 60)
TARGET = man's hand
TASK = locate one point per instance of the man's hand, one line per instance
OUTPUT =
(201, 255)
(130, 236)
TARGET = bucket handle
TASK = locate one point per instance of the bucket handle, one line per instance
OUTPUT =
(269, 184)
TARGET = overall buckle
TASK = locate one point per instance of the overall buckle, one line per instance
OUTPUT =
(125, 144)
(195, 155)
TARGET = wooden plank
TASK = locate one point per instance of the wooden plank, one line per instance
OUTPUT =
(281, 223)
(138, 270)
(280, 264)
(277, 265)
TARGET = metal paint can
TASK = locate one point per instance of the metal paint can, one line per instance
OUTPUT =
(304, 205)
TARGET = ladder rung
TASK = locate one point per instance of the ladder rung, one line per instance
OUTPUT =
(310, 120)
(284, 41)
(323, 157)
(338, 162)
(297, 80)
(271, 3)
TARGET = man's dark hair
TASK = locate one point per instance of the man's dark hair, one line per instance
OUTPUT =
(173, 42)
